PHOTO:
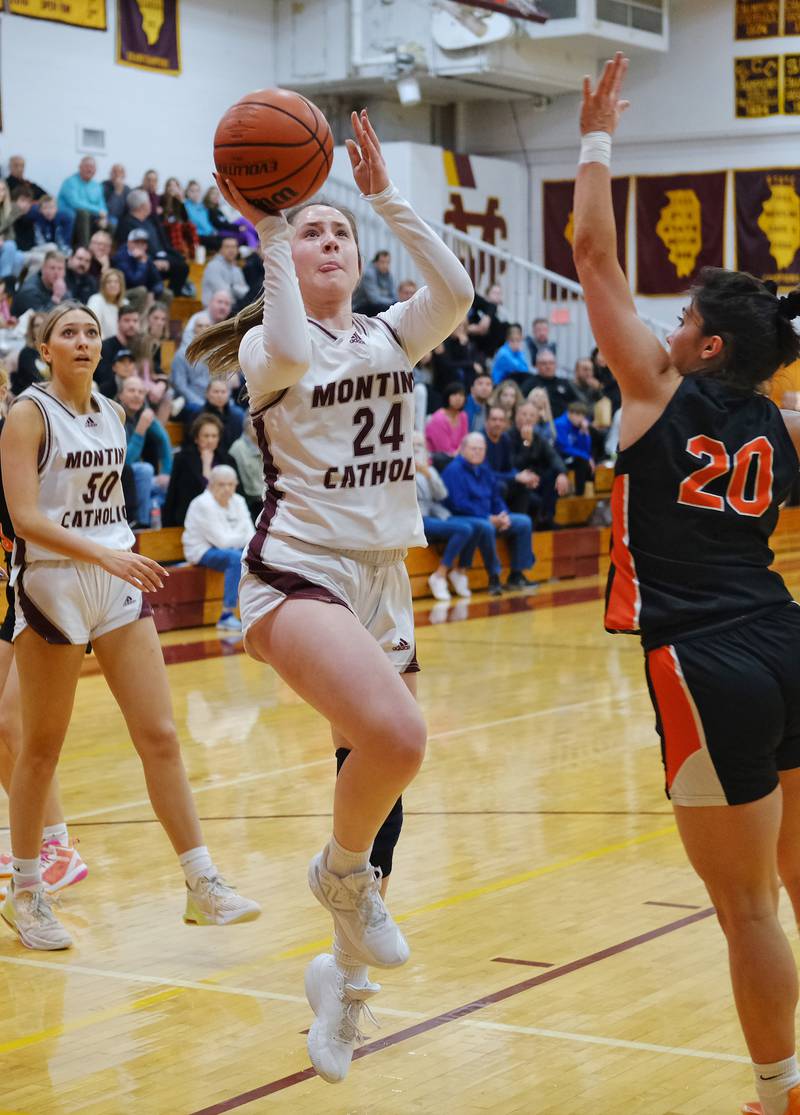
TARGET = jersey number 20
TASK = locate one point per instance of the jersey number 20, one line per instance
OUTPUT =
(692, 490)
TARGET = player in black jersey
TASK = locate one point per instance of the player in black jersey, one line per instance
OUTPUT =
(705, 462)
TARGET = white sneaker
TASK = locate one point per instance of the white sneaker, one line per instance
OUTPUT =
(364, 926)
(460, 582)
(438, 585)
(212, 902)
(335, 1032)
(28, 912)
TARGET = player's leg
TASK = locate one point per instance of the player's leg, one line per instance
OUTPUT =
(133, 664)
(789, 841)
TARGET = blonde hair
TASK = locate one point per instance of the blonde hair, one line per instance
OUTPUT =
(541, 400)
(494, 398)
(5, 200)
(218, 346)
(122, 288)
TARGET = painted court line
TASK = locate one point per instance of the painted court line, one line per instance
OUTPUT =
(459, 1013)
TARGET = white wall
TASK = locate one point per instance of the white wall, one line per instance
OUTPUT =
(55, 78)
(684, 98)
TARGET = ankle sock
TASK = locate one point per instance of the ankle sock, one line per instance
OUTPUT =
(341, 862)
(773, 1083)
(26, 872)
(56, 832)
(354, 973)
(196, 863)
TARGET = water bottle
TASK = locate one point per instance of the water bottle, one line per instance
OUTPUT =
(155, 516)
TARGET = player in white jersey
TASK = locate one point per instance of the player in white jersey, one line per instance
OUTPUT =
(76, 580)
(325, 597)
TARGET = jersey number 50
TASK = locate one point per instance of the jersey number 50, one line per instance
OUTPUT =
(759, 450)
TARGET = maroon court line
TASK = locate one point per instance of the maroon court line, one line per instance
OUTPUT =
(460, 1012)
(524, 963)
(674, 905)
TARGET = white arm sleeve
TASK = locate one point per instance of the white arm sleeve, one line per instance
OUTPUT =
(432, 314)
(277, 353)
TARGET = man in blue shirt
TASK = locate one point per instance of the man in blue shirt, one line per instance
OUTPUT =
(574, 443)
(476, 407)
(473, 495)
(511, 360)
(82, 199)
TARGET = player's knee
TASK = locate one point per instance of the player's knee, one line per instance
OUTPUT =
(742, 908)
(159, 743)
(386, 839)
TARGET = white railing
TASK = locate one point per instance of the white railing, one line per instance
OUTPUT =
(529, 291)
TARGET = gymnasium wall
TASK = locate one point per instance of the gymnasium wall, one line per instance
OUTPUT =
(56, 79)
(685, 98)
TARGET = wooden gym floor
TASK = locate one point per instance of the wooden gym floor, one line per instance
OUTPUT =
(564, 957)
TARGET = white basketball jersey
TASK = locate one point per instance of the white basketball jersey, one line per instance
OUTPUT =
(80, 467)
(337, 446)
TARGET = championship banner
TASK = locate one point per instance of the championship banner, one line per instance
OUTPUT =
(768, 224)
(791, 84)
(90, 14)
(148, 35)
(557, 200)
(679, 229)
(757, 19)
(757, 85)
(791, 17)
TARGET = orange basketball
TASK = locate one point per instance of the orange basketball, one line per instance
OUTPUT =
(275, 146)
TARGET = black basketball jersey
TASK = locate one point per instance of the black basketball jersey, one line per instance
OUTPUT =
(694, 503)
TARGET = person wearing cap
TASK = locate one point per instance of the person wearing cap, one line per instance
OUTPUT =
(124, 366)
(139, 270)
(124, 338)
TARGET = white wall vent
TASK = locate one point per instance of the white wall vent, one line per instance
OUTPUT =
(91, 141)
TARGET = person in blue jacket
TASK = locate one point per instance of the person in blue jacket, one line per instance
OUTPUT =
(511, 360)
(574, 444)
(473, 495)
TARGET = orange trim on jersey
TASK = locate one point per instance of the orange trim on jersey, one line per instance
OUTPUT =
(624, 600)
(676, 710)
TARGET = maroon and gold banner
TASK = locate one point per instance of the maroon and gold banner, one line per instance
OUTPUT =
(80, 13)
(791, 17)
(557, 198)
(679, 229)
(757, 86)
(768, 224)
(757, 19)
(148, 35)
(791, 84)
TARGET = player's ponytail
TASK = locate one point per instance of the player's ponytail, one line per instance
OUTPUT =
(753, 322)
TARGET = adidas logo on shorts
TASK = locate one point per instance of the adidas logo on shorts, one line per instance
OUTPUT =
(401, 644)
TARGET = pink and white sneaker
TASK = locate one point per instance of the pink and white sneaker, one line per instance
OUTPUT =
(61, 866)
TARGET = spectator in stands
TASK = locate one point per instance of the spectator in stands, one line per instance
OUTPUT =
(216, 529)
(224, 273)
(30, 366)
(406, 289)
(233, 226)
(511, 360)
(127, 329)
(508, 396)
(49, 226)
(100, 247)
(457, 360)
(24, 227)
(441, 526)
(124, 366)
(173, 267)
(146, 348)
(539, 338)
(543, 473)
(473, 494)
(7, 319)
(106, 302)
(182, 233)
(488, 320)
(218, 402)
(190, 381)
(216, 311)
(587, 387)
(498, 450)
(44, 289)
(377, 290)
(80, 283)
(606, 378)
(192, 468)
(150, 187)
(446, 429)
(141, 274)
(250, 466)
(81, 199)
(149, 449)
(423, 378)
(16, 177)
(199, 216)
(559, 391)
(574, 444)
(11, 259)
(115, 194)
(477, 405)
(544, 424)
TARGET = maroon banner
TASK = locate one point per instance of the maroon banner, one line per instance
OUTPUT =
(791, 17)
(768, 224)
(757, 86)
(557, 199)
(148, 35)
(757, 19)
(518, 9)
(679, 229)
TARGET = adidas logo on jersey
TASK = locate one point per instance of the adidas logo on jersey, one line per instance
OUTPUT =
(401, 644)
(356, 339)
(128, 600)
(90, 421)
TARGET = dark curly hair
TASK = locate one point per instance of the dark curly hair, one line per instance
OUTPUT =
(754, 323)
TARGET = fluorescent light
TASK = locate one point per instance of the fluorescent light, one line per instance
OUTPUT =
(408, 90)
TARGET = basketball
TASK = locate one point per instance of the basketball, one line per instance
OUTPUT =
(275, 146)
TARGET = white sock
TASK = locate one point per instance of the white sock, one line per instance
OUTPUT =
(773, 1083)
(56, 832)
(341, 862)
(196, 863)
(353, 972)
(26, 873)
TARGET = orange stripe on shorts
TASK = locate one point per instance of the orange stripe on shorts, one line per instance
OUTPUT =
(676, 710)
(624, 602)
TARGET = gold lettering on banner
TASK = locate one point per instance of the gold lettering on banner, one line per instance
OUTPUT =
(569, 231)
(791, 84)
(791, 17)
(780, 219)
(680, 229)
(152, 12)
(79, 13)
(757, 86)
(757, 19)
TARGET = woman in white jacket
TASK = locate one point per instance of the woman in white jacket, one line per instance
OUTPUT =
(217, 527)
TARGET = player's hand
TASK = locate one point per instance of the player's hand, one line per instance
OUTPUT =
(140, 571)
(369, 166)
(236, 198)
(602, 108)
